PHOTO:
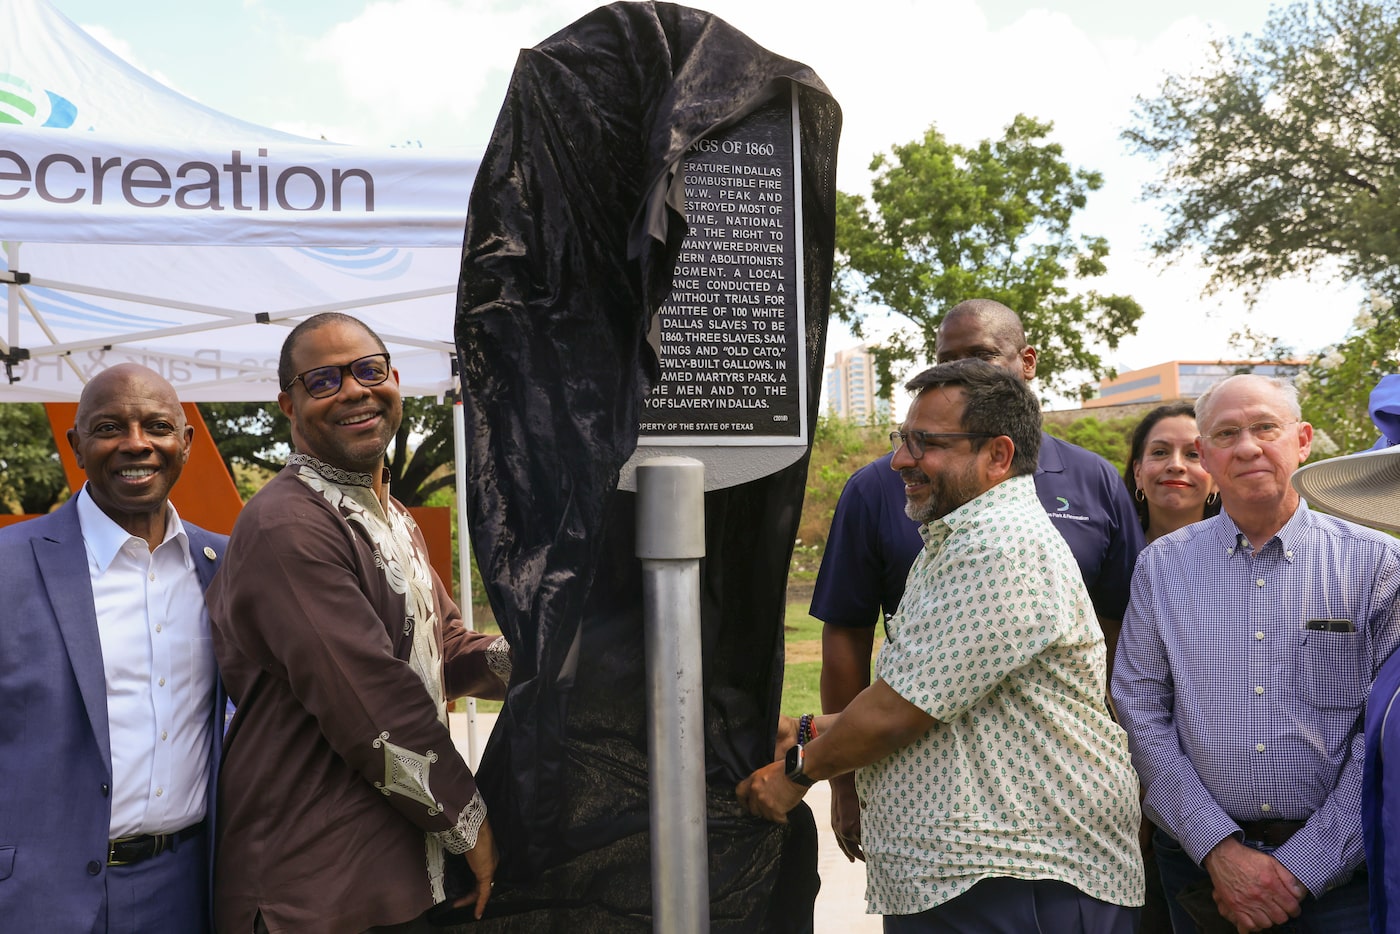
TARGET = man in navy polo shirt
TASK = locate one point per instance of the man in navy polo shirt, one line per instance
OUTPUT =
(872, 542)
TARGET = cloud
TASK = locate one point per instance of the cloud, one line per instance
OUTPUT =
(436, 71)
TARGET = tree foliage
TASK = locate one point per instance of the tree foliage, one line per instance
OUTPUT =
(252, 434)
(1111, 439)
(947, 223)
(1335, 389)
(31, 475)
(1280, 154)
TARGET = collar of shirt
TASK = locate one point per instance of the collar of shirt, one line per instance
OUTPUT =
(1050, 460)
(1287, 539)
(104, 538)
(935, 533)
(333, 473)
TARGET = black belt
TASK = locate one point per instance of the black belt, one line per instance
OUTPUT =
(1270, 832)
(130, 850)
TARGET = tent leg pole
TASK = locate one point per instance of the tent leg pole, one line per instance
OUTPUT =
(464, 559)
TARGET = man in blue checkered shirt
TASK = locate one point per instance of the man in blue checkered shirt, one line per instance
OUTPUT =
(1247, 652)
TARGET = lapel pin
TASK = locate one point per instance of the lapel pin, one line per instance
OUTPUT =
(209, 553)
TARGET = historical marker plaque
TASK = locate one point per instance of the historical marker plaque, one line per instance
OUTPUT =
(731, 335)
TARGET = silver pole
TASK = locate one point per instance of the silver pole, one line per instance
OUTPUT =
(670, 543)
(464, 557)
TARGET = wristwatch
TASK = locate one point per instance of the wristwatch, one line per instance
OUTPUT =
(794, 767)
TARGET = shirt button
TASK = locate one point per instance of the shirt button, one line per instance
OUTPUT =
(157, 627)
(1288, 554)
(94, 868)
(159, 792)
(1260, 582)
(1259, 689)
(1259, 635)
(1259, 747)
(153, 575)
(161, 682)
(105, 790)
(165, 733)
(1265, 807)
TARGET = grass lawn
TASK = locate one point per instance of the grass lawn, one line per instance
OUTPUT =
(803, 671)
(802, 675)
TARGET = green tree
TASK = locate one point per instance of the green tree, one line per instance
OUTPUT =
(947, 223)
(1335, 389)
(1111, 439)
(256, 435)
(1280, 155)
(31, 475)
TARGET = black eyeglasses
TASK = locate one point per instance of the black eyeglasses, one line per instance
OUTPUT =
(324, 381)
(917, 441)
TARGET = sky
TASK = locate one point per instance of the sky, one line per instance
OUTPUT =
(434, 73)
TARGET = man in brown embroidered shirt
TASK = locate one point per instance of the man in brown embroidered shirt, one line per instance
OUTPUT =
(341, 793)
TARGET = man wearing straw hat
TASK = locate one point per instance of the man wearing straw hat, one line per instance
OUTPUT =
(1365, 488)
(1250, 643)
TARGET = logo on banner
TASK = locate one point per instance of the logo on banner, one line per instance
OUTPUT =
(21, 104)
(373, 263)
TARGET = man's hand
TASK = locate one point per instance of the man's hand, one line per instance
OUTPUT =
(1253, 890)
(787, 736)
(845, 816)
(482, 859)
(767, 793)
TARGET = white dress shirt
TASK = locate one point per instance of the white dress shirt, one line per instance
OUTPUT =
(158, 657)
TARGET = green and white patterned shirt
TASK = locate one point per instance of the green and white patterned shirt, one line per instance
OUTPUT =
(1026, 775)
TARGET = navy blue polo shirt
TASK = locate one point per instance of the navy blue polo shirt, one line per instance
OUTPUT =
(872, 542)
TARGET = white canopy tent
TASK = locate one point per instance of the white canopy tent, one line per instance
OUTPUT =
(138, 225)
(184, 247)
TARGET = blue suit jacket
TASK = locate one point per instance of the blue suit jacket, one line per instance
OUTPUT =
(55, 754)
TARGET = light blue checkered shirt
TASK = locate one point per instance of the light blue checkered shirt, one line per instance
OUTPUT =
(1234, 710)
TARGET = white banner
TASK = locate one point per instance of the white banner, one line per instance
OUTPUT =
(61, 186)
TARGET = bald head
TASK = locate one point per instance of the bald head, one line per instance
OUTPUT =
(1283, 394)
(989, 331)
(131, 438)
(115, 379)
(994, 317)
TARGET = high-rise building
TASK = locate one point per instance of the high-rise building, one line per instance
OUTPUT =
(853, 390)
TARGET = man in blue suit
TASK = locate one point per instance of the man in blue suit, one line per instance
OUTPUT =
(110, 709)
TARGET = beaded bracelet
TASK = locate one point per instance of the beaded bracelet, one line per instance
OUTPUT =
(805, 732)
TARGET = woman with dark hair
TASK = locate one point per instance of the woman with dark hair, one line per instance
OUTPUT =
(1168, 483)
(1170, 489)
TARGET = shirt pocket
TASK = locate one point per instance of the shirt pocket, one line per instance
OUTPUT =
(1332, 670)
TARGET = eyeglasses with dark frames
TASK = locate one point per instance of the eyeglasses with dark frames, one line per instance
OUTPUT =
(324, 381)
(917, 441)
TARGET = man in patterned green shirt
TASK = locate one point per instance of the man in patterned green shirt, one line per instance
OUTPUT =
(996, 792)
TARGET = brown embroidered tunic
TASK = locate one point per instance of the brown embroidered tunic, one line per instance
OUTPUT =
(341, 789)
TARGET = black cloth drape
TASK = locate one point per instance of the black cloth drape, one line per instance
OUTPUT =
(569, 249)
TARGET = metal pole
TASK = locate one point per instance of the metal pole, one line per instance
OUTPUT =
(671, 542)
(464, 557)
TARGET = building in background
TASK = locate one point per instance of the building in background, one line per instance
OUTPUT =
(853, 390)
(1182, 379)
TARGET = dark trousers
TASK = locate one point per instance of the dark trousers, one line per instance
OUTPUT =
(166, 894)
(1018, 906)
(1343, 910)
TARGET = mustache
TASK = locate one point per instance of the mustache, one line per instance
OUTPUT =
(913, 475)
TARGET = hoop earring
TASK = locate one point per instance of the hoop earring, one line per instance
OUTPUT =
(1212, 497)
(1140, 496)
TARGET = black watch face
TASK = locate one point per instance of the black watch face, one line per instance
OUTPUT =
(793, 761)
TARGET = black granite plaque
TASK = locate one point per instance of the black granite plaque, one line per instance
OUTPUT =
(730, 335)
